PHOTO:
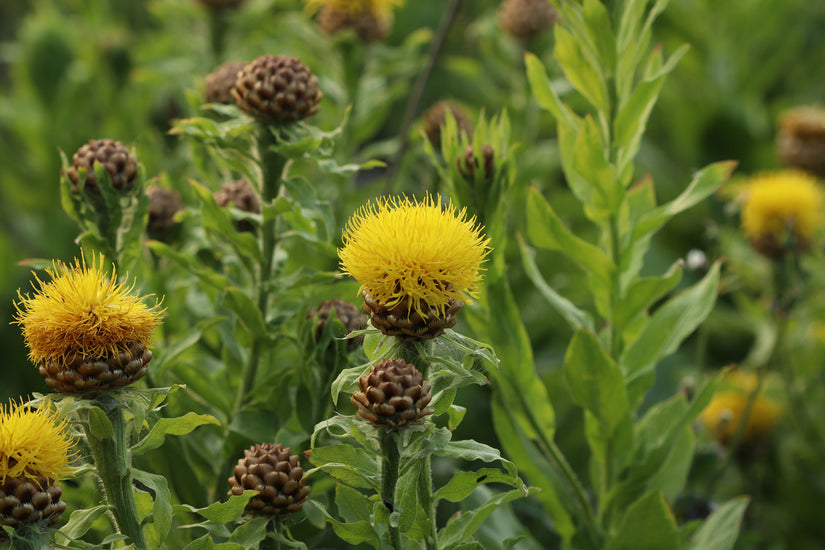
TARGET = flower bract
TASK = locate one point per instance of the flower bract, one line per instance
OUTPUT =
(422, 252)
(783, 205)
(357, 7)
(33, 443)
(83, 311)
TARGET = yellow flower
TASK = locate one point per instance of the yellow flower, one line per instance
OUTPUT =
(415, 251)
(33, 443)
(724, 413)
(780, 205)
(380, 8)
(83, 312)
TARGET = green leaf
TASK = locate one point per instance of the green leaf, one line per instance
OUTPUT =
(99, 424)
(546, 230)
(408, 506)
(79, 523)
(203, 543)
(463, 524)
(456, 415)
(347, 464)
(645, 291)
(247, 311)
(720, 530)
(583, 72)
(667, 328)
(544, 93)
(250, 534)
(181, 425)
(222, 512)
(596, 382)
(356, 533)
(704, 183)
(470, 449)
(591, 167)
(648, 525)
(352, 504)
(219, 221)
(162, 507)
(464, 483)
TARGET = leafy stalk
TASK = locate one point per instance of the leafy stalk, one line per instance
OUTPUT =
(390, 464)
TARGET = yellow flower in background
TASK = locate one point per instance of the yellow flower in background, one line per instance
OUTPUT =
(780, 206)
(724, 414)
(81, 317)
(419, 252)
(33, 443)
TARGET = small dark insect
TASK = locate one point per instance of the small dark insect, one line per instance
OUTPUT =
(389, 506)
(482, 478)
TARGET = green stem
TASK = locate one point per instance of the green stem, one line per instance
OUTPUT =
(390, 465)
(413, 352)
(218, 26)
(113, 462)
(615, 293)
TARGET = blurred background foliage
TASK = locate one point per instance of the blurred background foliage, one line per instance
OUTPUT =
(74, 70)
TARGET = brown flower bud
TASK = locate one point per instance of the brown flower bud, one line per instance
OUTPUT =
(276, 475)
(113, 155)
(801, 139)
(393, 394)
(468, 163)
(368, 25)
(526, 18)
(219, 83)
(163, 205)
(242, 196)
(24, 501)
(80, 374)
(347, 313)
(406, 323)
(434, 117)
(278, 90)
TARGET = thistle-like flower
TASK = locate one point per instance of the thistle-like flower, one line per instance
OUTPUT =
(393, 394)
(278, 90)
(370, 19)
(725, 412)
(526, 18)
(113, 156)
(783, 211)
(348, 314)
(278, 477)
(84, 330)
(35, 452)
(416, 262)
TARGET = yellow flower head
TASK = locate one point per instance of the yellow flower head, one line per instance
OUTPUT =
(782, 204)
(400, 249)
(379, 8)
(725, 412)
(33, 443)
(83, 311)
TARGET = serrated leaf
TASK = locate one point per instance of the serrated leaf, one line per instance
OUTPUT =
(347, 464)
(172, 426)
(223, 512)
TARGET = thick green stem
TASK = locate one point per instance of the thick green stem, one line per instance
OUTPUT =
(218, 26)
(113, 464)
(413, 353)
(390, 465)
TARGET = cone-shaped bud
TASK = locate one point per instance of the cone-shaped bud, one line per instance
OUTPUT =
(278, 477)
(406, 323)
(242, 196)
(347, 313)
(163, 205)
(219, 83)
(80, 374)
(392, 395)
(113, 156)
(434, 117)
(369, 25)
(801, 139)
(24, 501)
(526, 18)
(468, 163)
(277, 89)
